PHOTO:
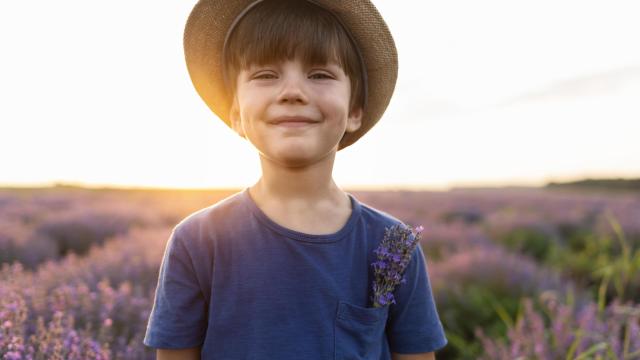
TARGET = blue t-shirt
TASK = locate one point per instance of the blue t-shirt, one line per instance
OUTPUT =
(241, 286)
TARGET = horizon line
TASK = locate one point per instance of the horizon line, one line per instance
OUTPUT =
(352, 187)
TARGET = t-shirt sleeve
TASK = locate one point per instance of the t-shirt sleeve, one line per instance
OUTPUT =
(413, 325)
(178, 318)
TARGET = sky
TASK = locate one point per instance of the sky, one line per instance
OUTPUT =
(489, 93)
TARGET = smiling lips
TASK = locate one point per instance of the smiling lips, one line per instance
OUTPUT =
(293, 121)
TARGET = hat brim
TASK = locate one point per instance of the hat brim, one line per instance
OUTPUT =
(207, 27)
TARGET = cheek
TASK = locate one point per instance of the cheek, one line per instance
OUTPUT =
(338, 106)
(336, 98)
(250, 104)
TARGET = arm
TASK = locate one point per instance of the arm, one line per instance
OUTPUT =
(178, 354)
(178, 318)
(414, 330)
(421, 356)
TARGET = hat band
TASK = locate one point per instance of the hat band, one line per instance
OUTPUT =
(363, 73)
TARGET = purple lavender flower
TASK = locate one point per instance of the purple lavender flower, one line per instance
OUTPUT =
(572, 331)
(393, 256)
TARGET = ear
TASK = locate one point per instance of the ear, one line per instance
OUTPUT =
(354, 121)
(234, 117)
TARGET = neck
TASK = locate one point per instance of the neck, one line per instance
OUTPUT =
(298, 186)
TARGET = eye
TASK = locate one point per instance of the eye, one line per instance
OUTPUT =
(265, 76)
(321, 76)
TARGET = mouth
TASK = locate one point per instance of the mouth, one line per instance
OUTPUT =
(293, 121)
(294, 124)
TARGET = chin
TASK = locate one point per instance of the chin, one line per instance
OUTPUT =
(298, 153)
(298, 158)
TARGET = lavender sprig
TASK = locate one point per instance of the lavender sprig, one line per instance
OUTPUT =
(394, 254)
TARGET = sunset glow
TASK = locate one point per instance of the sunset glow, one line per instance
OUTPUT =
(484, 96)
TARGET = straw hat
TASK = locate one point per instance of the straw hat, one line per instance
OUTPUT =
(209, 24)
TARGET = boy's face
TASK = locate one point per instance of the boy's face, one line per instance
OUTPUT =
(314, 98)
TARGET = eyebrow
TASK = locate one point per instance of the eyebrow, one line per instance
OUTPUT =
(332, 65)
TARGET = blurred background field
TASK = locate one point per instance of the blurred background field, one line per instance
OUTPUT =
(531, 273)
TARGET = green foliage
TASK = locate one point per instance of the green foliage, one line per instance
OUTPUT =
(471, 306)
(606, 265)
(559, 329)
(528, 241)
(598, 184)
(609, 266)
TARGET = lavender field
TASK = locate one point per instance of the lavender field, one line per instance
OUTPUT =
(516, 273)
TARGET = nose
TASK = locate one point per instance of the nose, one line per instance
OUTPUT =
(293, 91)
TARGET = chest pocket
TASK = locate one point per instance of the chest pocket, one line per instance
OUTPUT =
(359, 331)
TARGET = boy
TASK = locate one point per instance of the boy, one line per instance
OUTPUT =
(282, 270)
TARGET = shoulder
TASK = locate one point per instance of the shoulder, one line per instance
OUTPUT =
(206, 221)
(373, 216)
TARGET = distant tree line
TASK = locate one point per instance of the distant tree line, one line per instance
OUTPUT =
(599, 184)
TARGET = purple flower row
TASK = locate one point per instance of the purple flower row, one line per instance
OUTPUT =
(563, 330)
(95, 307)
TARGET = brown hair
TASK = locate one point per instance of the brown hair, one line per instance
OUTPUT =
(277, 30)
